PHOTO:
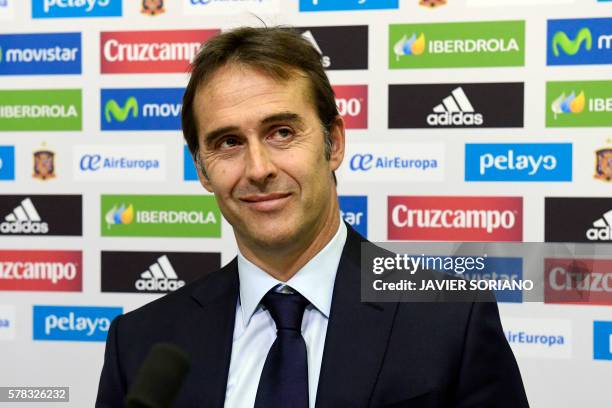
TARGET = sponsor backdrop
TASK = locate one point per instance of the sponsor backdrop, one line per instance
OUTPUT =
(475, 120)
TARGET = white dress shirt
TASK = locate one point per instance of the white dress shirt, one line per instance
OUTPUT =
(255, 330)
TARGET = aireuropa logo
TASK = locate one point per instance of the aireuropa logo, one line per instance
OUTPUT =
(7, 163)
(602, 340)
(131, 52)
(160, 216)
(539, 338)
(579, 104)
(579, 41)
(73, 323)
(34, 110)
(7, 322)
(518, 162)
(352, 103)
(141, 109)
(7, 11)
(40, 54)
(190, 173)
(455, 45)
(398, 162)
(456, 105)
(585, 219)
(447, 218)
(354, 210)
(578, 281)
(335, 53)
(120, 163)
(76, 8)
(220, 7)
(60, 271)
(38, 215)
(340, 5)
(154, 272)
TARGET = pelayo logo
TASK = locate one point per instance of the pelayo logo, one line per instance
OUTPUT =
(337, 5)
(150, 51)
(579, 41)
(456, 105)
(154, 272)
(34, 110)
(160, 216)
(76, 8)
(454, 45)
(518, 162)
(40, 54)
(602, 340)
(579, 104)
(417, 162)
(120, 163)
(7, 162)
(141, 109)
(73, 323)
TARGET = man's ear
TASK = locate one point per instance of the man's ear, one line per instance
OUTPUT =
(338, 137)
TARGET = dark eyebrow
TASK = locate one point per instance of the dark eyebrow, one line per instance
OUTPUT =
(210, 137)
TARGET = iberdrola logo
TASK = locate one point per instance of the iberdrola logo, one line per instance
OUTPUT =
(568, 104)
(119, 216)
(409, 46)
(121, 113)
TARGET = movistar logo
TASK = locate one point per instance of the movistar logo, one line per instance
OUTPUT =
(571, 47)
(118, 113)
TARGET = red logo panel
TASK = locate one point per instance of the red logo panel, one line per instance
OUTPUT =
(352, 102)
(439, 218)
(41, 270)
(132, 52)
(578, 281)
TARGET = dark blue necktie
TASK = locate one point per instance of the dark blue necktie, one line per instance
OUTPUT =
(284, 379)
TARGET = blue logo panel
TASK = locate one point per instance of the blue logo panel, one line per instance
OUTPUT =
(518, 162)
(7, 163)
(73, 323)
(40, 54)
(602, 340)
(76, 8)
(189, 171)
(141, 109)
(338, 5)
(501, 268)
(579, 41)
(354, 211)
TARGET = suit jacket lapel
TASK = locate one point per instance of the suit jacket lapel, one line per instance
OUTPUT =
(211, 343)
(357, 335)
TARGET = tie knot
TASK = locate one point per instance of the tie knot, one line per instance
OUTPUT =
(287, 309)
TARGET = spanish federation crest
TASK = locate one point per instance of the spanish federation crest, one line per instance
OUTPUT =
(152, 7)
(432, 3)
(44, 165)
(603, 164)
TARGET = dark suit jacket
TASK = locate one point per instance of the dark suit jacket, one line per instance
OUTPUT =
(375, 354)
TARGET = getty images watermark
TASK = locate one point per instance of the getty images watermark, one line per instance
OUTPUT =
(475, 271)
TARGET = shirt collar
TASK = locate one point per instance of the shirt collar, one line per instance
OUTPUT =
(315, 281)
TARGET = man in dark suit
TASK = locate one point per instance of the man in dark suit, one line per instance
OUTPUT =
(283, 325)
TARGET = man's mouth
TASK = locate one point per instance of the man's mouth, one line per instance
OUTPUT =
(266, 202)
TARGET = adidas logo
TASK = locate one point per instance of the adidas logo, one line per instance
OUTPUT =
(24, 220)
(455, 110)
(325, 60)
(602, 228)
(159, 277)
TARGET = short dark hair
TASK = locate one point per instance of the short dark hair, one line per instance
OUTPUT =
(279, 52)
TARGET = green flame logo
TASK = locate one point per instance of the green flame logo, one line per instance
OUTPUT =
(571, 47)
(121, 113)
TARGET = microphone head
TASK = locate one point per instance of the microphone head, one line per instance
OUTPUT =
(159, 379)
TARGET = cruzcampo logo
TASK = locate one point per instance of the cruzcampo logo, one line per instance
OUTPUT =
(34, 110)
(579, 104)
(114, 112)
(455, 45)
(160, 216)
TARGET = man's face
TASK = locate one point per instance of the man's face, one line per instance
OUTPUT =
(262, 145)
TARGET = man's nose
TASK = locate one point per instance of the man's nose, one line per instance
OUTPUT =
(259, 165)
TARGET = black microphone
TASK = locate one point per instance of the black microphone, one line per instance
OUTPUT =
(159, 379)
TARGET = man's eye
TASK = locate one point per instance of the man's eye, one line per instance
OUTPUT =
(229, 142)
(283, 133)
